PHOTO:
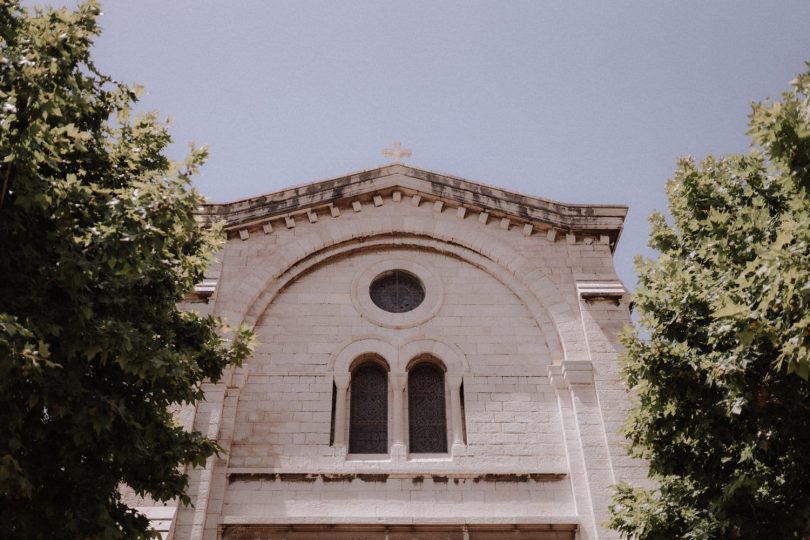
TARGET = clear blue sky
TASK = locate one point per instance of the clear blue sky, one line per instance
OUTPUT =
(586, 102)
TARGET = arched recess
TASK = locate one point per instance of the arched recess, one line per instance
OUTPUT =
(356, 352)
(454, 363)
(553, 314)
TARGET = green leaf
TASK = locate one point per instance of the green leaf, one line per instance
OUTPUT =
(731, 310)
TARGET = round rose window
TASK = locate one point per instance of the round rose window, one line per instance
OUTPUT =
(397, 291)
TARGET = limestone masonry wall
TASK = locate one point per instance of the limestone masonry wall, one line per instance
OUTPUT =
(521, 315)
(284, 411)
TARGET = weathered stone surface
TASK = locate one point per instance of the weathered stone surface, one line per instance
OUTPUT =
(421, 185)
(522, 325)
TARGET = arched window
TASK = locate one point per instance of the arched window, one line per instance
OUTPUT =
(368, 431)
(427, 423)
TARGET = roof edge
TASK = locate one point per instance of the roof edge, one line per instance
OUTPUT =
(430, 186)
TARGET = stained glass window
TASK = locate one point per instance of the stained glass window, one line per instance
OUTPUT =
(397, 291)
(427, 422)
(368, 432)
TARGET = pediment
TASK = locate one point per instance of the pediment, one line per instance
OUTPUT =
(328, 196)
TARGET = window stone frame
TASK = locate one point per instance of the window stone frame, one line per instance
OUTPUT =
(399, 359)
(365, 306)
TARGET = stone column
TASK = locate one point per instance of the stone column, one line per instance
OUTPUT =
(578, 470)
(192, 521)
(454, 383)
(397, 383)
(342, 388)
(601, 406)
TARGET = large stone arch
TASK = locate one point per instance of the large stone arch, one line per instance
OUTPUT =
(555, 317)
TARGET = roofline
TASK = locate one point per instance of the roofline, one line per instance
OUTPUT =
(410, 167)
(429, 186)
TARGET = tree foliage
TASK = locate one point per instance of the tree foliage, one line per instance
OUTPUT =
(98, 243)
(721, 380)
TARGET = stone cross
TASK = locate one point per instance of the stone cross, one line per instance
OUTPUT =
(396, 153)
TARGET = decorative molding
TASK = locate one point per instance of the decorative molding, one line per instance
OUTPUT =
(366, 346)
(577, 372)
(434, 294)
(592, 291)
(453, 358)
(557, 527)
(593, 220)
(562, 376)
(242, 229)
(203, 291)
(441, 476)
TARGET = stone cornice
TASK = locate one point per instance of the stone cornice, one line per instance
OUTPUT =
(328, 196)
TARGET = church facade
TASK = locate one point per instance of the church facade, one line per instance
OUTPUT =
(435, 359)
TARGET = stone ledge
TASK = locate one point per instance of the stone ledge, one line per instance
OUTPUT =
(551, 523)
(460, 529)
(437, 477)
(591, 291)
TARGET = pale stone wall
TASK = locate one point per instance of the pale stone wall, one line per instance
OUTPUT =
(283, 417)
(527, 320)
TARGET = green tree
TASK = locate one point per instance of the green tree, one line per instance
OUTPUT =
(98, 243)
(721, 370)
